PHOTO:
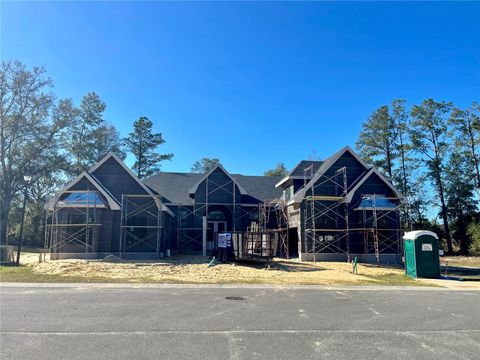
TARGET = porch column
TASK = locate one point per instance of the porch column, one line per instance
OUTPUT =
(204, 236)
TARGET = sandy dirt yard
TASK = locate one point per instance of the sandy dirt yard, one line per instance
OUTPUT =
(196, 270)
(463, 261)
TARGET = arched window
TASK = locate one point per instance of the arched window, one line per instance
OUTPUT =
(216, 215)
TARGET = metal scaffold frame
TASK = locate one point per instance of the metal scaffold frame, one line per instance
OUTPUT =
(148, 208)
(334, 211)
(378, 240)
(60, 233)
(188, 235)
(327, 237)
(279, 209)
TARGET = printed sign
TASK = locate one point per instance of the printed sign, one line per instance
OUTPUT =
(224, 240)
(427, 247)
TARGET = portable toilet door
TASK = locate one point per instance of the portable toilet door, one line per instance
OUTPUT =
(422, 258)
(410, 261)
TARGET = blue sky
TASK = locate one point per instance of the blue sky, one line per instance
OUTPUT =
(251, 83)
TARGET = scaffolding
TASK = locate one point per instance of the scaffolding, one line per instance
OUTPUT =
(269, 216)
(377, 237)
(326, 223)
(328, 226)
(141, 224)
(275, 210)
(71, 224)
(190, 238)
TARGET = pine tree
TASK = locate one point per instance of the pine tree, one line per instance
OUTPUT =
(466, 128)
(279, 170)
(428, 133)
(204, 165)
(461, 203)
(377, 141)
(89, 137)
(142, 143)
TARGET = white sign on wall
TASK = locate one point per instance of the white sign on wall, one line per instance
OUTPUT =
(224, 240)
(427, 247)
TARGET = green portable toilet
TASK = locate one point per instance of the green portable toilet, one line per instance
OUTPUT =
(421, 254)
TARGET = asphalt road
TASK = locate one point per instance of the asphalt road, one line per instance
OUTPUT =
(175, 323)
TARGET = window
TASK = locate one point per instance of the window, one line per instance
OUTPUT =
(216, 216)
(82, 198)
(288, 193)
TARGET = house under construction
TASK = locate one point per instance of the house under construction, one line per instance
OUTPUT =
(323, 210)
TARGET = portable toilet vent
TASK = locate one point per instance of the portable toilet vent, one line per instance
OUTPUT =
(422, 258)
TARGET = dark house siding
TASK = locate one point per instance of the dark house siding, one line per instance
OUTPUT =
(222, 192)
(117, 180)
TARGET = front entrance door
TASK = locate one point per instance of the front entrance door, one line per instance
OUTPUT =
(213, 228)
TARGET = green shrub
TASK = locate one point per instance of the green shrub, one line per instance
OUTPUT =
(6, 254)
(474, 233)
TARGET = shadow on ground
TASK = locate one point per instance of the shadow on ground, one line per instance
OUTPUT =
(461, 273)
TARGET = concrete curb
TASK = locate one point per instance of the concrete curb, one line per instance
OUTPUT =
(227, 286)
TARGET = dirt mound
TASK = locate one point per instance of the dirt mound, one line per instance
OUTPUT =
(112, 258)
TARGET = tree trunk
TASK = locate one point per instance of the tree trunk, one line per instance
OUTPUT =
(404, 180)
(20, 236)
(444, 213)
(474, 155)
(4, 211)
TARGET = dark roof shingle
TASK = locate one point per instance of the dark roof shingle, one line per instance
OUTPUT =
(303, 165)
(174, 187)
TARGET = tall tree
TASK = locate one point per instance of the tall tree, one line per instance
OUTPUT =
(29, 137)
(142, 143)
(204, 165)
(378, 139)
(461, 203)
(428, 132)
(89, 137)
(400, 120)
(405, 164)
(279, 170)
(466, 127)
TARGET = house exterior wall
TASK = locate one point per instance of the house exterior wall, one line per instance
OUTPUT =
(116, 181)
(218, 192)
(335, 219)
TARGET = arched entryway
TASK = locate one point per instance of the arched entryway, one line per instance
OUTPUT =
(219, 220)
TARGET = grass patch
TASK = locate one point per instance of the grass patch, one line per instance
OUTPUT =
(394, 280)
(461, 261)
(25, 274)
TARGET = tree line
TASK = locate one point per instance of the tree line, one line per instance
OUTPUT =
(53, 140)
(431, 152)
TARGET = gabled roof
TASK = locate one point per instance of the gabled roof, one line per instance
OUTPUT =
(303, 165)
(112, 155)
(112, 203)
(103, 190)
(121, 163)
(301, 171)
(259, 187)
(175, 186)
(193, 189)
(298, 197)
(374, 170)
